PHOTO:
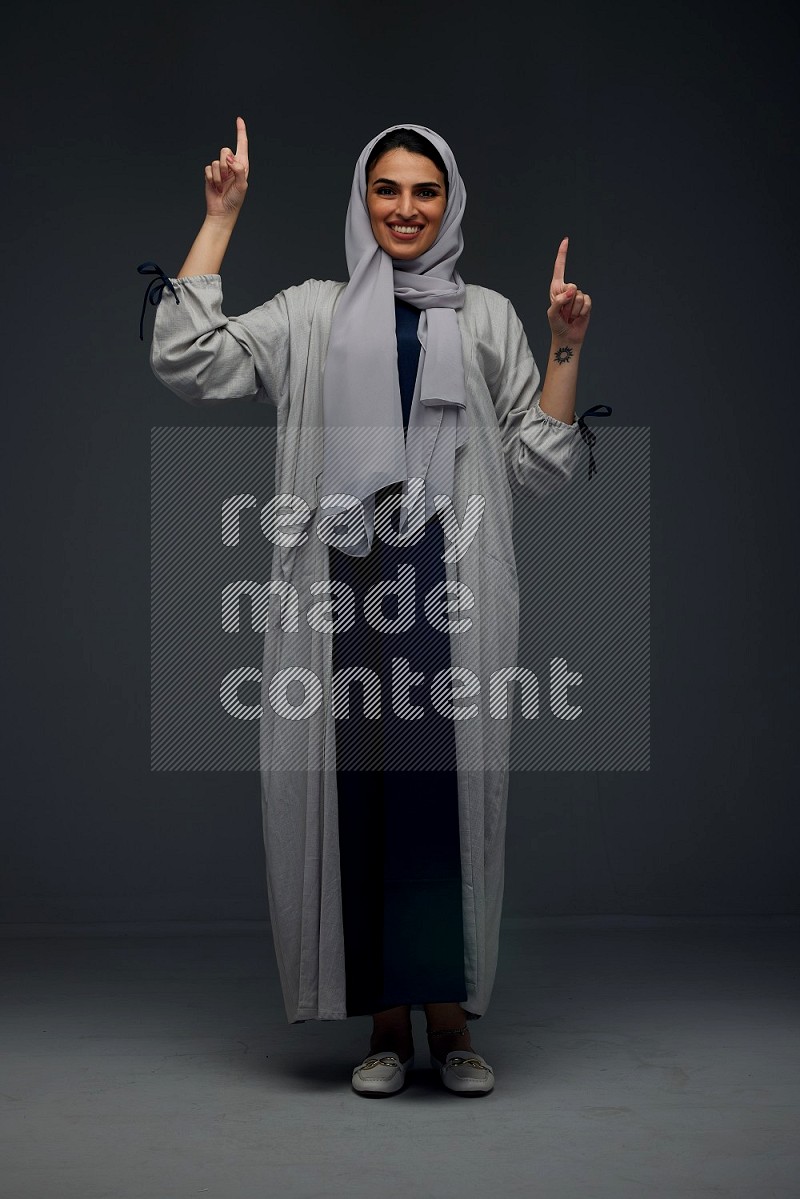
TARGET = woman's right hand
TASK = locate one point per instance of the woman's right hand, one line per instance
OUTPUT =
(226, 177)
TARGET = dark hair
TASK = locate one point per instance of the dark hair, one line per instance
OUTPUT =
(406, 139)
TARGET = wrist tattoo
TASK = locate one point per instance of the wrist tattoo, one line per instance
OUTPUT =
(563, 354)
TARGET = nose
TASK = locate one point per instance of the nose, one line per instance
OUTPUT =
(406, 209)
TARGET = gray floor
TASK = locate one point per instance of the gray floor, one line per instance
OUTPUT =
(631, 1061)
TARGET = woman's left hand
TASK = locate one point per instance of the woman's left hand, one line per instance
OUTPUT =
(570, 308)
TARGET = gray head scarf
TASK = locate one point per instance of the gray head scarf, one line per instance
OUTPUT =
(364, 448)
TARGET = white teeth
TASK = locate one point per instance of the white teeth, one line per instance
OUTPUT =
(405, 228)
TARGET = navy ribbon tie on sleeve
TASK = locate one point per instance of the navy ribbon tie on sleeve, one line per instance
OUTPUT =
(155, 290)
(588, 435)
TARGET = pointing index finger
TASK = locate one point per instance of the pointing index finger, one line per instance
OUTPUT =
(241, 138)
(561, 261)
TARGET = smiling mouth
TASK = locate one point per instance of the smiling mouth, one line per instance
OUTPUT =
(406, 232)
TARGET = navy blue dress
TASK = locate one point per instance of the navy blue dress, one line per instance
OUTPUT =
(398, 828)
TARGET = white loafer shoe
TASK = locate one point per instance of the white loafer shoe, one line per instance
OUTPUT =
(465, 1072)
(381, 1074)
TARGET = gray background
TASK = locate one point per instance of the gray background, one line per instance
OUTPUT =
(662, 142)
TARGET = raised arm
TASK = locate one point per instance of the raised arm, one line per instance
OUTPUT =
(226, 188)
(201, 354)
(568, 316)
(541, 451)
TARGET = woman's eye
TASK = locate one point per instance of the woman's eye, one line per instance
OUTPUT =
(426, 191)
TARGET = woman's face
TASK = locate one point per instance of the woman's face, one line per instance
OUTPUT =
(405, 190)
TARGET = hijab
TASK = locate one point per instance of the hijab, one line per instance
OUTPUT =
(364, 446)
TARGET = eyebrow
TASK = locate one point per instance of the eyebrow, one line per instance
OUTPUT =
(393, 183)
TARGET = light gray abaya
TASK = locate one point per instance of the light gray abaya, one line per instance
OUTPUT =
(275, 354)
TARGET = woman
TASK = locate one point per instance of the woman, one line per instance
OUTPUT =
(409, 411)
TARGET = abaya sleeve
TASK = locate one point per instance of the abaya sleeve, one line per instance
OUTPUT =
(208, 358)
